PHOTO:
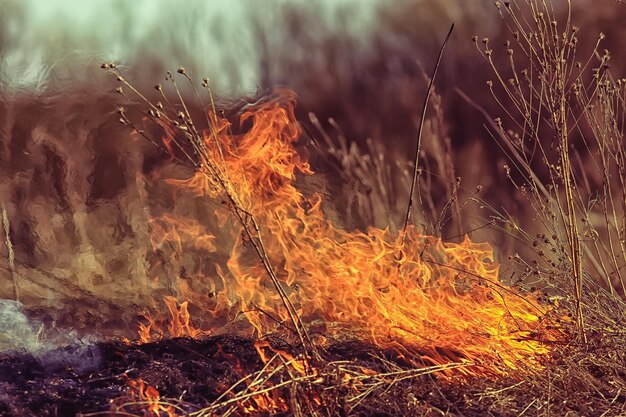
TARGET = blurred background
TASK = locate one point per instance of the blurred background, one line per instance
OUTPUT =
(77, 189)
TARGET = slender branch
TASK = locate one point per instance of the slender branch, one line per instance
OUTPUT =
(419, 134)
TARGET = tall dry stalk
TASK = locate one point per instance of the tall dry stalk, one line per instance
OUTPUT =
(418, 145)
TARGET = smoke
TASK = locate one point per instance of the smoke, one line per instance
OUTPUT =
(16, 330)
(18, 334)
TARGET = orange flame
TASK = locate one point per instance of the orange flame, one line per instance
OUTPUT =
(431, 300)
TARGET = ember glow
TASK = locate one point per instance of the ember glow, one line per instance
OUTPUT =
(433, 302)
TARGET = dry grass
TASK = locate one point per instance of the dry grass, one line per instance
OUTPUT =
(542, 92)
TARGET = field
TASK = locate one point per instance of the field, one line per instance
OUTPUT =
(350, 214)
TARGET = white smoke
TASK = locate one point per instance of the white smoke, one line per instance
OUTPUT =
(16, 330)
(18, 334)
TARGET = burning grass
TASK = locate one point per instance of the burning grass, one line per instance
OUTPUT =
(276, 307)
(405, 290)
(292, 273)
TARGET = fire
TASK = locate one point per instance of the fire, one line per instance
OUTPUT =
(179, 324)
(434, 302)
(146, 397)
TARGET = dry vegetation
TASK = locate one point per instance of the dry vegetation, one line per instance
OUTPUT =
(558, 122)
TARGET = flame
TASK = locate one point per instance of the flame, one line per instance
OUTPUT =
(146, 397)
(174, 231)
(439, 302)
(299, 365)
(179, 324)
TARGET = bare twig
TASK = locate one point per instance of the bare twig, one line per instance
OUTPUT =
(421, 128)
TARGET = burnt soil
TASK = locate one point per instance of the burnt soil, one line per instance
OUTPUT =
(84, 379)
